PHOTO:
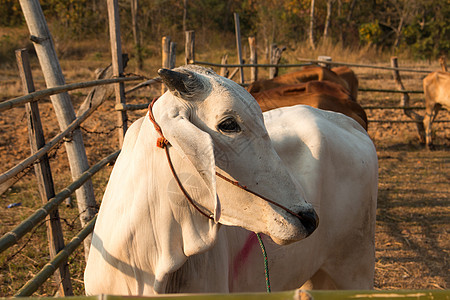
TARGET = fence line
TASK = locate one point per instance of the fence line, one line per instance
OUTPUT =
(34, 283)
(5, 105)
(50, 145)
(311, 61)
(12, 237)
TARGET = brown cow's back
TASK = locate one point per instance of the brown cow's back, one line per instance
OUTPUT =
(319, 94)
(302, 76)
(349, 76)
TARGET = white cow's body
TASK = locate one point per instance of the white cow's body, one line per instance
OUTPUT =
(141, 247)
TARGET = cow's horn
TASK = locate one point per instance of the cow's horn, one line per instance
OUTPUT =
(183, 84)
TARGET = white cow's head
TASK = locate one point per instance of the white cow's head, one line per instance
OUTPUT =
(218, 125)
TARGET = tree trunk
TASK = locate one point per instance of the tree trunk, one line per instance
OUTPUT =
(398, 32)
(350, 10)
(184, 15)
(326, 30)
(311, 26)
(136, 32)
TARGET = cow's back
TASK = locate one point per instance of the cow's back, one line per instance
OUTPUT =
(319, 94)
(349, 76)
(336, 162)
(301, 76)
(436, 87)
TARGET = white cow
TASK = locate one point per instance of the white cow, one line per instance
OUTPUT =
(148, 239)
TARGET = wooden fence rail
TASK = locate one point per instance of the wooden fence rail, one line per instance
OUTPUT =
(311, 61)
(33, 284)
(71, 127)
(12, 237)
(35, 96)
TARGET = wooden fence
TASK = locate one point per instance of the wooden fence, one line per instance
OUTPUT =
(59, 251)
(69, 124)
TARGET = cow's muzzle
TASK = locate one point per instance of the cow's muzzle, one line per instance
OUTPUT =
(309, 220)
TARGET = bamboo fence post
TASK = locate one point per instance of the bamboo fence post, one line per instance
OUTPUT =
(224, 70)
(253, 59)
(404, 102)
(44, 175)
(165, 54)
(117, 63)
(43, 44)
(189, 47)
(238, 45)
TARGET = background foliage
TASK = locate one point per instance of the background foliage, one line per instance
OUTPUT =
(421, 27)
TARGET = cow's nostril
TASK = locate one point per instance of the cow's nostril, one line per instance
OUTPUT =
(310, 220)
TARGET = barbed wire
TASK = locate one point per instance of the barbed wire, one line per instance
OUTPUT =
(107, 132)
(11, 257)
(131, 74)
(71, 223)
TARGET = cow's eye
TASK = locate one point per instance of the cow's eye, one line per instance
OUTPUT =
(229, 125)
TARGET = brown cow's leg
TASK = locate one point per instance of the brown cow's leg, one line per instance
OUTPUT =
(430, 115)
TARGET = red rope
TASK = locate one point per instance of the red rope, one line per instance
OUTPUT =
(162, 142)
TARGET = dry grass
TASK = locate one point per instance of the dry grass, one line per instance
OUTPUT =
(412, 240)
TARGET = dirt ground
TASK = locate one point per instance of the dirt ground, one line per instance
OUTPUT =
(412, 233)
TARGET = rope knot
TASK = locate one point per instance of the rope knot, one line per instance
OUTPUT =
(162, 142)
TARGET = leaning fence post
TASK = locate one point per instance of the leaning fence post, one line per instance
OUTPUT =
(404, 102)
(238, 44)
(253, 59)
(44, 175)
(116, 52)
(76, 153)
(275, 57)
(224, 70)
(189, 47)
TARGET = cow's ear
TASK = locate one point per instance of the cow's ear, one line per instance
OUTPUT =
(197, 146)
(182, 83)
(188, 233)
(194, 143)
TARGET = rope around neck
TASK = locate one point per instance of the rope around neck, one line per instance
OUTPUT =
(266, 262)
(162, 142)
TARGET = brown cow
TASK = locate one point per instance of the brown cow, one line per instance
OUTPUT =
(436, 87)
(319, 94)
(304, 75)
(349, 76)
